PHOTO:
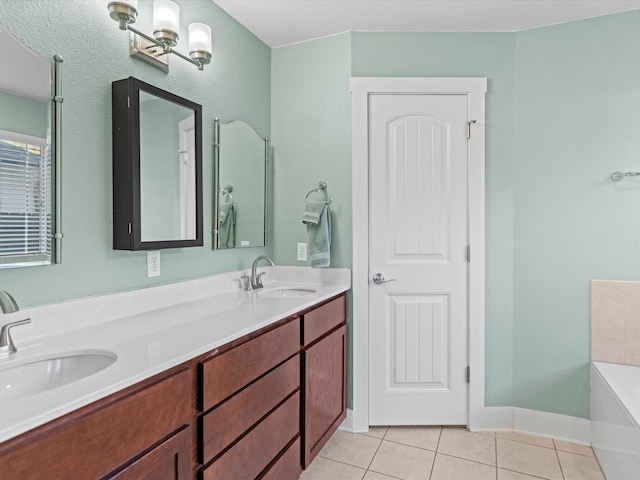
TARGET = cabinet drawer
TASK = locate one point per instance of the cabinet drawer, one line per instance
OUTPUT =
(227, 373)
(171, 460)
(99, 438)
(223, 425)
(288, 465)
(319, 321)
(246, 459)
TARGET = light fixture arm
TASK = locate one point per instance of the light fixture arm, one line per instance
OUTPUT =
(167, 49)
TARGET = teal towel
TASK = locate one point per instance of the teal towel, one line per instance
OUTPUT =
(317, 217)
(227, 226)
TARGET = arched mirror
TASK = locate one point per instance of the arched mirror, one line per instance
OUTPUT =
(157, 168)
(240, 206)
(29, 156)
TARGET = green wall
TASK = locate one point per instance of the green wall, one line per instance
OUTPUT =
(236, 85)
(577, 103)
(562, 107)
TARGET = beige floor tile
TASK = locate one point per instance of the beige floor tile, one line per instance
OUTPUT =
(579, 467)
(530, 459)
(350, 448)
(452, 468)
(574, 448)
(509, 475)
(377, 476)
(421, 437)
(461, 443)
(402, 461)
(490, 433)
(376, 432)
(325, 469)
(524, 438)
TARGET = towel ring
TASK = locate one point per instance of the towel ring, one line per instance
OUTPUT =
(227, 191)
(322, 186)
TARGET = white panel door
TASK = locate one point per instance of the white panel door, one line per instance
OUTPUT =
(417, 242)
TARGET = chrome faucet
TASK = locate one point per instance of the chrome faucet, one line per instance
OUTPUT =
(256, 281)
(9, 305)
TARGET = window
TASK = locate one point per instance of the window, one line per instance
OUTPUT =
(25, 200)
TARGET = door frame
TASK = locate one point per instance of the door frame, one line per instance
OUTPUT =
(361, 87)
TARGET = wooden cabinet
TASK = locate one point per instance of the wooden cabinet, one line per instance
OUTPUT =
(144, 426)
(324, 375)
(250, 404)
(252, 409)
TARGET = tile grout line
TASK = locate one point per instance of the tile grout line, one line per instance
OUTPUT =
(555, 448)
(495, 439)
(436, 452)
(377, 449)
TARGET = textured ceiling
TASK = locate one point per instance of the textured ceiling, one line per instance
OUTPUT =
(283, 22)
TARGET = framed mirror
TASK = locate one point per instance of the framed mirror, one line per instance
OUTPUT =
(240, 174)
(157, 168)
(29, 156)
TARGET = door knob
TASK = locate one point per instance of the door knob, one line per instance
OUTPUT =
(379, 279)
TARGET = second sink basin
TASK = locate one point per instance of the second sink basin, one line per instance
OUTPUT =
(29, 378)
(280, 292)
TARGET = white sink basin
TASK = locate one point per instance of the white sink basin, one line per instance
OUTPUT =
(282, 292)
(31, 377)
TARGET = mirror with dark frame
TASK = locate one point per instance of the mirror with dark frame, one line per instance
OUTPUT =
(240, 170)
(157, 168)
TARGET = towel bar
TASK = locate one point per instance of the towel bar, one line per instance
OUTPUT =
(617, 176)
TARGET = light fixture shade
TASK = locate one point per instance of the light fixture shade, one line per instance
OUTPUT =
(199, 37)
(166, 16)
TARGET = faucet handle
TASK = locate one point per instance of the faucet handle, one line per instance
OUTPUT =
(247, 283)
(259, 280)
(5, 335)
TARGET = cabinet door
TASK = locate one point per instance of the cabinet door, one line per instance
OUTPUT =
(325, 390)
(171, 460)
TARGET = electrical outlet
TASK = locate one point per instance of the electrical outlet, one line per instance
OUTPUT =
(153, 263)
(302, 252)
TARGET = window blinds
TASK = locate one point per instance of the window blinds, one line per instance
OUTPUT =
(25, 199)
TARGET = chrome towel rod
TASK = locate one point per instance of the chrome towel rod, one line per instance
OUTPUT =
(617, 176)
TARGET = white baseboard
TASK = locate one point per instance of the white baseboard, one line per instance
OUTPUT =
(552, 425)
(533, 422)
(492, 418)
(348, 424)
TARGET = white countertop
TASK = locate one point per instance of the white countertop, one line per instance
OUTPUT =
(149, 330)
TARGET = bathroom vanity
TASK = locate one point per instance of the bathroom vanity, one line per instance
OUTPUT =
(260, 405)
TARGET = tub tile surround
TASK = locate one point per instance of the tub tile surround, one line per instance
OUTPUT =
(450, 453)
(149, 330)
(615, 322)
(615, 377)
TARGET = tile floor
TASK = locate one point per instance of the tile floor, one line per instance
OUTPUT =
(450, 453)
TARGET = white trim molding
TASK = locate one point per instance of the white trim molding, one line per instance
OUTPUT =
(475, 89)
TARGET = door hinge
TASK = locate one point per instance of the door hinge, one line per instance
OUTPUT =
(469, 128)
(468, 374)
(468, 253)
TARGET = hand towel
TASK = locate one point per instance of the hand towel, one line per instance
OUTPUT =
(227, 226)
(317, 217)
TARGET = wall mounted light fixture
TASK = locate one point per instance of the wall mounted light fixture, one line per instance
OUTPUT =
(155, 49)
